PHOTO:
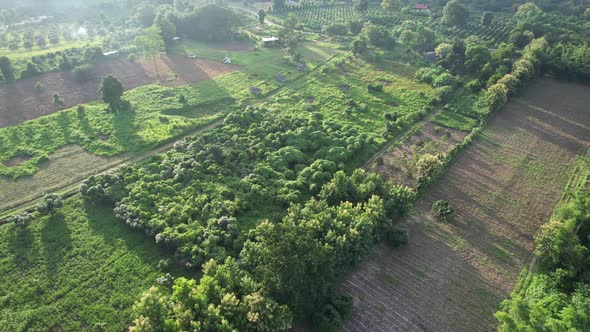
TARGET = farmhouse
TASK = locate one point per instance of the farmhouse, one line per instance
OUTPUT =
(270, 41)
(420, 6)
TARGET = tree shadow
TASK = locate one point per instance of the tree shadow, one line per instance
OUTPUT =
(22, 244)
(56, 242)
(125, 128)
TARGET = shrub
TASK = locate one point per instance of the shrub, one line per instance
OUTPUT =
(328, 319)
(444, 79)
(343, 304)
(337, 29)
(396, 237)
(21, 219)
(442, 210)
(82, 73)
(39, 86)
(374, 88)
(57, 100)
(50, 204)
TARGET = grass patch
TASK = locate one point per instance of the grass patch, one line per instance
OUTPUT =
(73, 270)
(455, 121)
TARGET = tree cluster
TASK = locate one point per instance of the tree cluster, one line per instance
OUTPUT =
(285, 269)
(558, 297)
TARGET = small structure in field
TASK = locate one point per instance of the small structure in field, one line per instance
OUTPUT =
(255, 91)
(111, 54)
(302, 67)
(420, 6)
(281, 78)
(270, 41)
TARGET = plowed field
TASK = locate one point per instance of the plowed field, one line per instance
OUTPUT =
(452, 276)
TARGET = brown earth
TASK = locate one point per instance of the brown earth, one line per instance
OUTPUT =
(16, 161)
(399, 163)
(452, 276)
(19, 101)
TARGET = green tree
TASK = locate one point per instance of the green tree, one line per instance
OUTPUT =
(442, 209)
(355, 27)
(391, 5)
(361, 6)
(476, 56)
(407, 37)
(261, 16)
(291, 22)
(487, 18)
(378, 35)
(150, 44)
(6, 68)
(165, 26)
(359, 46)
(454, 13)
(111, 90)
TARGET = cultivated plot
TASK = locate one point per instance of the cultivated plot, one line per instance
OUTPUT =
(452, 276)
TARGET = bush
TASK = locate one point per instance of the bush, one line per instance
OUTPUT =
(373, 88)
(50, 204)
(441, 210)
(39, 86)
(337, 29)
(328, 319)
(396, 237)
(82, 73)
(343, 304)
(57, 100)
(444, 79)
(21, 219)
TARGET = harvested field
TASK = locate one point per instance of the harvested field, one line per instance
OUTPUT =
(451, 277)
(21, 101)
(64, 167)
(399, 163)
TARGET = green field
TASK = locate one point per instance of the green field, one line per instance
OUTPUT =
(74, 270)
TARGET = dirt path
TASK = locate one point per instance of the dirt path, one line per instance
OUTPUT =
(451, 277)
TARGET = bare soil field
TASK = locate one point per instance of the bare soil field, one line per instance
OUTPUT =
(452, 276)
(399, 163)
(67, 165)
(21, 101)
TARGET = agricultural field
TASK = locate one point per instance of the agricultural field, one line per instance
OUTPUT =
(317, 17)
(31, 98)
(452, 276)
(280, 166)
(210, 87)
(75, 270)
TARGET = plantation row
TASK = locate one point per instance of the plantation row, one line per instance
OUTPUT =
(493, 34)
(315, 18)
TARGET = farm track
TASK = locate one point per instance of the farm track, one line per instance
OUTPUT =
(71, 188)
(451, 277)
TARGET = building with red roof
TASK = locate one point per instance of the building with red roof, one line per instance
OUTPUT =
(420, 6)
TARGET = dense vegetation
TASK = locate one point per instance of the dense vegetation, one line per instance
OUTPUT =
(267, 211)
(189, 199)
(266, 288)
